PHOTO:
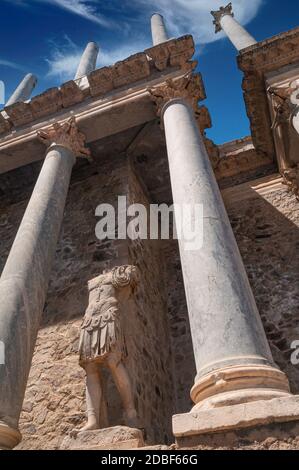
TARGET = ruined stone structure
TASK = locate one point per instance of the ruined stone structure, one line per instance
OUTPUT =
(217, 321)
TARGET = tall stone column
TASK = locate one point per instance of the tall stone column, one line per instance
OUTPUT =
(224, 19)
(24, 90)
(24, 280)
(233, 358)
(88, 60)
(159, 33)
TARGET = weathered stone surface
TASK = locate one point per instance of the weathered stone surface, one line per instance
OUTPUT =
(71, 94)
(175, 53)
(256, 62)
(236, 417)
(88, 60)
(47, 103)
(19, 113)
(159, 33)
(116, 438)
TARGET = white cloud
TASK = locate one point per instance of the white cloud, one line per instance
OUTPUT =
(193, 16)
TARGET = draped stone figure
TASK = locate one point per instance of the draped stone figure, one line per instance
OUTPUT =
(102, 343)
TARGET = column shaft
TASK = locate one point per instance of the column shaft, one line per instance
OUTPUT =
(88, 60)
(159, 33)
(236, 33)
(226, 328)
(24, 281)
(24, 90)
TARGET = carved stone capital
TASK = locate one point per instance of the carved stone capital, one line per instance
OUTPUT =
(67, 135)
(219, 14)
(190, 88)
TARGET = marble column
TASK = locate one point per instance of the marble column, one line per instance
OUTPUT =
(159, 33)
(24, 90)
(224, 20)
(24, 280)
(88, 60)
(233, 359)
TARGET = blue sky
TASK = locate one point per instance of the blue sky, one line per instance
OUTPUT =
(46, 37)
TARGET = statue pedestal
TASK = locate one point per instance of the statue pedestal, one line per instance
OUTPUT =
(116, 438)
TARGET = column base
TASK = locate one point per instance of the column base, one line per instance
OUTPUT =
(229, 425)
(239, 384)
(9, 437)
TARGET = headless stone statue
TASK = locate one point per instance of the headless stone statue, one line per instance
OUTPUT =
(102, 343)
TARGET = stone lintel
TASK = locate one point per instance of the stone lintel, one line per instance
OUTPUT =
(219, 14)
(224, 419)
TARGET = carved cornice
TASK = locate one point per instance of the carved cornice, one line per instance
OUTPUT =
(286, 103)
(119, 277)
(67, 135)
(218, 15)
(174, 55)
(189, 88)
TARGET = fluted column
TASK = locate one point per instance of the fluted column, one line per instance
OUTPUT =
(24, 280)
(224, 20)
(233, 359)
(159, 32)
(88, 60)
(24, 90)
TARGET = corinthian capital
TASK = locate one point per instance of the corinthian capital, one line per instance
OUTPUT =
(190, 88)
(67, 135)
(218, 15)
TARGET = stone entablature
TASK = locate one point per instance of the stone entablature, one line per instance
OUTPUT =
(239, 156)
(106, 102)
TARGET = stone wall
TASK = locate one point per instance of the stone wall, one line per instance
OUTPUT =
(54, 402)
